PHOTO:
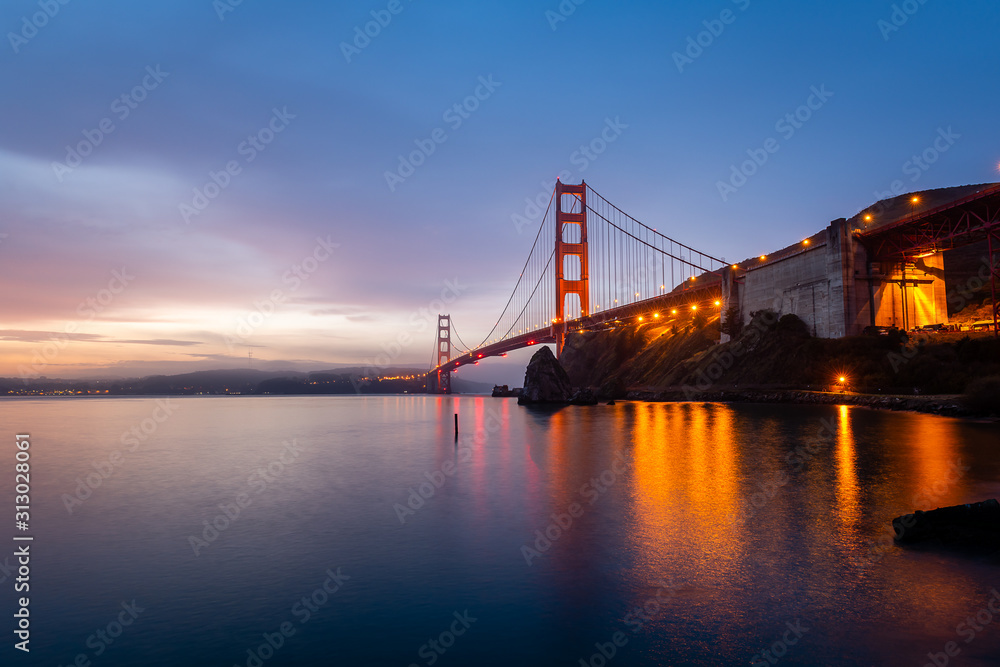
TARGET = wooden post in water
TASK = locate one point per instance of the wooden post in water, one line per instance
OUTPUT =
(456, 426)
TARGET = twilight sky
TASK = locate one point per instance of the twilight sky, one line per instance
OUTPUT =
(182, 180)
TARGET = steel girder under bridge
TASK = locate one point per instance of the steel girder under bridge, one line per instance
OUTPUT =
(970, 219)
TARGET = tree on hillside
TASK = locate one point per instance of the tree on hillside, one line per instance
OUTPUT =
(732, 323)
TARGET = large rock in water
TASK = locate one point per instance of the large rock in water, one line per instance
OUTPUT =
(545, 380)
(973, 525)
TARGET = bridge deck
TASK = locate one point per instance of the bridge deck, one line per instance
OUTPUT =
(702, 293)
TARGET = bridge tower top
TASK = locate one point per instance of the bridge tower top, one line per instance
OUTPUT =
(443, 340)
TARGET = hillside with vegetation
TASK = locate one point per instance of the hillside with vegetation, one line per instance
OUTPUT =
(778, 353)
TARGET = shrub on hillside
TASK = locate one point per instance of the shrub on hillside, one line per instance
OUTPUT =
(761, 320)
(733, 323)
(983, 395)
(793, 324)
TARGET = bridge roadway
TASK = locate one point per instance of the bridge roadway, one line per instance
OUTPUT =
(703, 292)
(907, 234)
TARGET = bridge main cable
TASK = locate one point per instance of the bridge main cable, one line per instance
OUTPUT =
(650, 229)
(520, 278)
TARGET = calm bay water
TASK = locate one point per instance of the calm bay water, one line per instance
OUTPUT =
(693, 534)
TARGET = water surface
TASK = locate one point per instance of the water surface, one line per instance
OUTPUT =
(694, 534)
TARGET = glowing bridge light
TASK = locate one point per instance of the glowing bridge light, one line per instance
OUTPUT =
(673, 312)
(694, 307)
(656, 316)
(736, 267)
(718, 303)
(868, 218)
(806, 242)
(763, 258)
(640, 318)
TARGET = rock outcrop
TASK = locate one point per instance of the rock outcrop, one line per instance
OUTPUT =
(949, 406)
(583, 397)
(545, 380)
(974, 525)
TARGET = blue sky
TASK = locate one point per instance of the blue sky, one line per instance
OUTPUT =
(200, 288)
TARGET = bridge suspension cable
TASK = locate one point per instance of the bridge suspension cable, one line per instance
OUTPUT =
(463, 347)
(515, 317)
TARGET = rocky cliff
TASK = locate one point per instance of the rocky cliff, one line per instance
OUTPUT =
(777, 353)
(545, 380)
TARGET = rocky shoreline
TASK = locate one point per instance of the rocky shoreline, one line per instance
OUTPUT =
(949, 406)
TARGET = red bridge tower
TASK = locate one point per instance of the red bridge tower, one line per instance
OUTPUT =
(443, 378)
(579, 272)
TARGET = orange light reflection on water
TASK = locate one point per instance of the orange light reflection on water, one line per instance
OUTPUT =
(847, 477)
(685, 482)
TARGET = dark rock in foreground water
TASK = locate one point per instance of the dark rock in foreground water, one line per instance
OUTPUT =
(545, 380)
(973, 525)
(584, 397)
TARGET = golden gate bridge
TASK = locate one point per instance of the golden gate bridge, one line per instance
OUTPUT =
(604, 267)
(592, 266)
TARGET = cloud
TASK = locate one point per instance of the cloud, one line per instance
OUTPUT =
(22, 336)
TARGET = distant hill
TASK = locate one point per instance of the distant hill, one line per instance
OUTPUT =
(461, 386)
(346, 380)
